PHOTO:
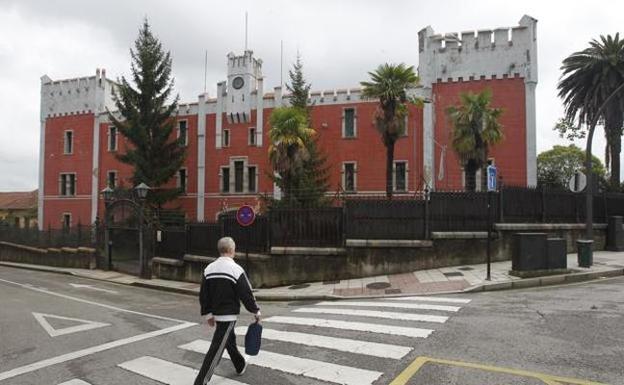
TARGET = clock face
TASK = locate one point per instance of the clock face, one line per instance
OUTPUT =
(238, 82)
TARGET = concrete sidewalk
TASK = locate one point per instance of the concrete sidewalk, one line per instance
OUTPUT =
(457, 279)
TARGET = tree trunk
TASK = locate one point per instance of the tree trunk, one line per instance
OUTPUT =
(616, 148)
(389, 168)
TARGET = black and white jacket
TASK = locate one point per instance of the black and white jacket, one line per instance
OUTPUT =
(224, 286)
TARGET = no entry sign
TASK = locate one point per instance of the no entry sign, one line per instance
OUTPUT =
(245, 215)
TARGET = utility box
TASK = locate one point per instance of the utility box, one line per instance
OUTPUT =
(615, 234)
(585, 252)
(529, 252)
(556, 253)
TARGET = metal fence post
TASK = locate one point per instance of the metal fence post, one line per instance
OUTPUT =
(543, 196)
(426, 219)
(501, 202)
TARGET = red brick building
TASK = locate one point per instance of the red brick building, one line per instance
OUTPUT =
(227, 136)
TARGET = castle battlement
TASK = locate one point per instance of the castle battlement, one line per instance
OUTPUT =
(497, 53)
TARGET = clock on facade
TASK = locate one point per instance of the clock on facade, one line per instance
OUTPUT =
(238, 82)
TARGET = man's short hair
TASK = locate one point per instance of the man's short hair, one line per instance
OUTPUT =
(226, 245)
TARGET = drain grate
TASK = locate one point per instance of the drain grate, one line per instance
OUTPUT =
(300, 286)
(454, 274)
(378, 285)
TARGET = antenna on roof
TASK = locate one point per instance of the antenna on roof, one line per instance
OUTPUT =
(281, 63)
(246, 34)
(205, 70)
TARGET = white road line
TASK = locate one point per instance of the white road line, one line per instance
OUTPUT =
(375, 314)
(430, 299)
(398, 305)
(319, 370)
(358, 326)
(168, 372)
(74, 382)
(341, 344)
(29, 287)
(52, 332)
(88, 351)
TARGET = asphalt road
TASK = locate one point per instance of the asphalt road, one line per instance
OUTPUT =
(58, 329)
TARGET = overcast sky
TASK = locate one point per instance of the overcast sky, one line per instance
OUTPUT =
(340, 41)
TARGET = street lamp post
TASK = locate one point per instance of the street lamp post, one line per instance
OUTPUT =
(107, 194)
(141, 192)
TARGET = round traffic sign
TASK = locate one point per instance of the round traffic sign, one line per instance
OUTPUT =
(245, 215)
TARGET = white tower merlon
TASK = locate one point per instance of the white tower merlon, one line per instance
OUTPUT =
(221, 95)
(243, 74)
(488, 54)
(201, 155)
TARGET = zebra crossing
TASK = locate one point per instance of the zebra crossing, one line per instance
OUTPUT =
(377, 321)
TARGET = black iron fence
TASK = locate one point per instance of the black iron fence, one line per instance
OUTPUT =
(319, 227)
(77, 236)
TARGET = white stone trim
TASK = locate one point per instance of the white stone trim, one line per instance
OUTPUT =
(219, 114)
(42, 124)
(201, 156)
(60, 179)
(531, 129)
(260, 112)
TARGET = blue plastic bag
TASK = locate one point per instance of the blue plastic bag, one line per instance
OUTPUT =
(253, 339)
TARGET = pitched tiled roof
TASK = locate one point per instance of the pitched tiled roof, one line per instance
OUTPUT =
(22, 200)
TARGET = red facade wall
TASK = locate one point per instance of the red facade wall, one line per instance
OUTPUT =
(79, 162)
(509, 155)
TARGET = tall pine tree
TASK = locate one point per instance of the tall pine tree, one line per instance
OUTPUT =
(310, 188)
(147, 119)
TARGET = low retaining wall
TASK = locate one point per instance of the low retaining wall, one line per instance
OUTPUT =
(82, 257)
(363, 258)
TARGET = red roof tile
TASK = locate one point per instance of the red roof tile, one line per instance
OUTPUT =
(22, 200)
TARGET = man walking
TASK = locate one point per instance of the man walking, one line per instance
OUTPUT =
(224, 285)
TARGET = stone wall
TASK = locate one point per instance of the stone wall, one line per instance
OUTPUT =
(82, 257)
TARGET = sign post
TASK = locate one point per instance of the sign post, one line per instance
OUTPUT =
(245, 216)
(491, 186)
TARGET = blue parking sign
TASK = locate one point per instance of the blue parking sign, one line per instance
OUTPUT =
(491, 178)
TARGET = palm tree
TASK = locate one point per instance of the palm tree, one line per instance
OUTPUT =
(289, 136)
(589, 77)
(389, 83)
(475, 129)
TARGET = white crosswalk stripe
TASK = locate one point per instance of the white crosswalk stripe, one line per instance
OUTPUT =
(397, 305)
(357, 326)
(430, 299)
(74, 382)
(319, 370)
(375, 314)
(341, 344)
(168, 372)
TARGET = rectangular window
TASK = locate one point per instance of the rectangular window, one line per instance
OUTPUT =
(182, 179)
(252, 136)
(67, 221)
(349, 177)
(183, 132)
(112, 179)
(239, 167)
(67, 185)
(251, 176)
(68, 147)
(112, 139)
(225, 179)
(226, 138)
(400, 176)
(349, 123)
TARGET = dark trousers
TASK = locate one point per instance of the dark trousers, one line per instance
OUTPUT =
(223, 338)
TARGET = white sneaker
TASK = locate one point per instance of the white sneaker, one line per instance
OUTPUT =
(242, 371)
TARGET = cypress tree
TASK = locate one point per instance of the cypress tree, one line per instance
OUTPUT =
(147, 119)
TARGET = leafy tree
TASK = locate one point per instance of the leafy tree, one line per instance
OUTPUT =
(288, 152)
(310, 186)
(147, 120)
(389, 83)
(557, 165)
(589, 77)
(475, 128)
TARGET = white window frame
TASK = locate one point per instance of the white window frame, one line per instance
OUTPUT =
(394, 176)
(344, 176)
(116, 143)
(344, 123)
(65, 215)
(67, 184)
(226, 134)
(186, 139)
(179, 180)
(71, 150)
(108, 174)
(251, 136)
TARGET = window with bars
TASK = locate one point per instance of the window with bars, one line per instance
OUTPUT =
(183, 132)
(349, 177)
(348, 124)
(400, 176)
(68, 143)
(67, 184)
